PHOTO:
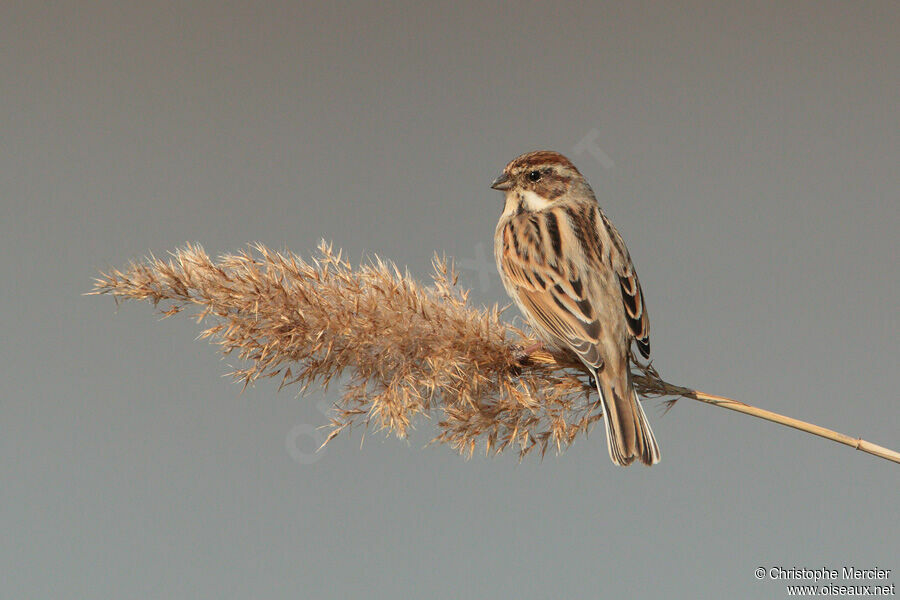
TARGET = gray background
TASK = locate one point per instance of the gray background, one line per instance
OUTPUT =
(748, 154)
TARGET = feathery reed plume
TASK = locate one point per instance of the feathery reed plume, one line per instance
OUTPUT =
(408, 349)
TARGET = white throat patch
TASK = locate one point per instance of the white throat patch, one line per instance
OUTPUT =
(533, 201)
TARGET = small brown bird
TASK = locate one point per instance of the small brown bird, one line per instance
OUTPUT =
(567, 269)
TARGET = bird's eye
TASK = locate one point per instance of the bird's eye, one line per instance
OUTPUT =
(534, 176)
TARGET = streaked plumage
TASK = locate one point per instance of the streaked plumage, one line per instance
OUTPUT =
(566, 267)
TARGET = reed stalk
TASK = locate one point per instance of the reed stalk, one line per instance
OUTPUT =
(406, 350)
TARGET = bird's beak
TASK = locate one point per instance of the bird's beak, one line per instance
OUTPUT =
(502, 183)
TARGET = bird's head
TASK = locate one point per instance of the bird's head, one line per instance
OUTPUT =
(538, 178)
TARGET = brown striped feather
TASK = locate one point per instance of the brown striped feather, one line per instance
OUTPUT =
(636, 316)
(549, 286)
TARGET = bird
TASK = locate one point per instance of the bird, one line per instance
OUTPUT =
(566, 267)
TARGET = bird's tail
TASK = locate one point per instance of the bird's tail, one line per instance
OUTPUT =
(628, 433)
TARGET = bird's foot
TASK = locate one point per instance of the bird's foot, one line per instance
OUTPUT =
(522, 355)
(533, 347)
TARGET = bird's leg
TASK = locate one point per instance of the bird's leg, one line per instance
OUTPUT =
(533, 347)
(522, 356)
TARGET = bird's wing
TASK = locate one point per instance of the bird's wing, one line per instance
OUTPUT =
(632, 297)
(550, 287)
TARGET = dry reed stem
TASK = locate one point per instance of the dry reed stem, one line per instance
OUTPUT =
(408, 350)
